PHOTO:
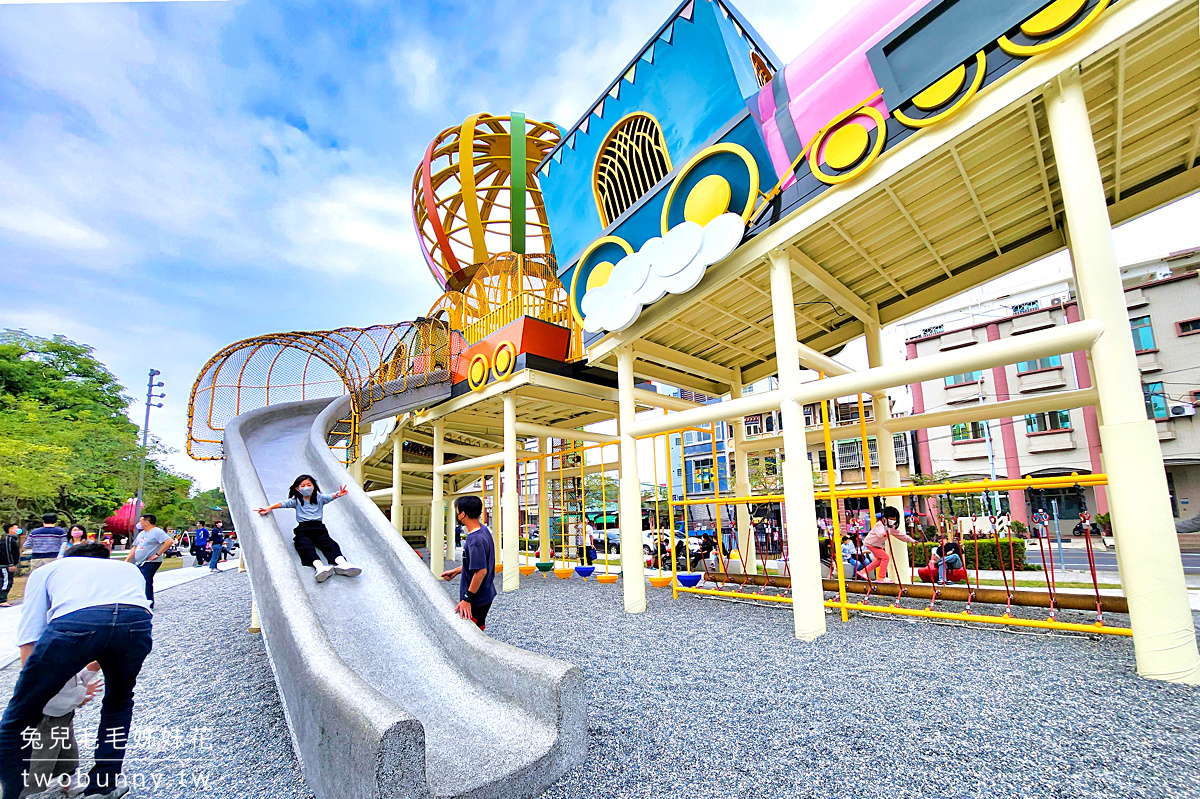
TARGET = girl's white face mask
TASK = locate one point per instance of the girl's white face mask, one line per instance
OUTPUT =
(305, 491)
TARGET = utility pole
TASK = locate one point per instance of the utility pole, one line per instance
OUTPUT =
(993, 499)
(150, 403)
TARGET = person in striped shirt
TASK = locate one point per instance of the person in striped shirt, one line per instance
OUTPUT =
(47, 543)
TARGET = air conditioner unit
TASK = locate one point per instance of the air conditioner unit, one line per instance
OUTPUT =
(1183, 409)
(1056, 301)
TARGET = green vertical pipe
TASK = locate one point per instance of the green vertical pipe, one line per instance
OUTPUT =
(517, 185)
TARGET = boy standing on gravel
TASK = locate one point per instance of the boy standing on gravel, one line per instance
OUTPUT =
(477, 588)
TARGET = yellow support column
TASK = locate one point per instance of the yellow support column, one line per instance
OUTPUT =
(633, 565)
(741, 488)
(804, 554)
(1164, 636)
(511, 519)
(397, 481)
(437, 507)
(889, 474)
(543, 483)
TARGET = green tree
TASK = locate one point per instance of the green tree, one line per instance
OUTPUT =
(66, 443)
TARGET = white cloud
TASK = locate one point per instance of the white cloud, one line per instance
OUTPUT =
(51, 229)
(415, 70)
(353, 226)
(672, 264)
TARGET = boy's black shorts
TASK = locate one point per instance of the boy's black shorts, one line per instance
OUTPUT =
(480, 613)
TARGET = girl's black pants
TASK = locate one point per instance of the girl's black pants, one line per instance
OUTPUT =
(311, 536)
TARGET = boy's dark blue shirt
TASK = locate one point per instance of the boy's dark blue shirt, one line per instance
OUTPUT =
(479, 552)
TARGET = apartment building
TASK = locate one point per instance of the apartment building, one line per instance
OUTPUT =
(1163, 301)
(698, 468)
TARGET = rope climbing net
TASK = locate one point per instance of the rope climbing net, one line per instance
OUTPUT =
(368, 363)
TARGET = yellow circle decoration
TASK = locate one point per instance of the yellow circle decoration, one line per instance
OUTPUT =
(968, 96)
(845, 146)
(599, 275)
(504, 359)
(477, 372)
(1028, 50)
(871, 113)
(943, 91)
(707, 200)
(572, 296)
(721, 147)
(1052, 18)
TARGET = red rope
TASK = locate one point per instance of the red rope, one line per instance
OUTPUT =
(1085, 519)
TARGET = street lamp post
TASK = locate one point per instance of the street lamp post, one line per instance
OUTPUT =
(150, 403)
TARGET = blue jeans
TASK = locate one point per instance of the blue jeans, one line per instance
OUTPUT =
(216, 558)
(953, 561)
(116, 636)
(148, 570)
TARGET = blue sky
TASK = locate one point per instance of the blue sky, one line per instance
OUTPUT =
(177, 176)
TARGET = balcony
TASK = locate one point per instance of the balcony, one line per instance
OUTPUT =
(963, 392)
(1029, 322)
(1041, 380)
(1148, 361)
(971, 449)
(1051, 441)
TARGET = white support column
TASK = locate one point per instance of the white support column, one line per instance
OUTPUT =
(889, 475)
(451, 524)
(804, 554)
(1164, 636)
(437, 507)
(398, 482)
(543, 499)
(633, 566)
(510, 521)
(741, 466)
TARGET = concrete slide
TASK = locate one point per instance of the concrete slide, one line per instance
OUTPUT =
(387, 692)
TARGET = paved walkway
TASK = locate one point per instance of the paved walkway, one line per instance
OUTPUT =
(163, 581)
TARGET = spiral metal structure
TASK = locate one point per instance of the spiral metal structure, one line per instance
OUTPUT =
(476, 195)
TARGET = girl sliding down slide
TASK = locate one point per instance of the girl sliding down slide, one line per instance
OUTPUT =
(310, 532)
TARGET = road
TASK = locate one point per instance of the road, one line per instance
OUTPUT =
(1077, 559)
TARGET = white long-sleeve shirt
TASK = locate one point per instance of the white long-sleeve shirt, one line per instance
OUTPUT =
(71, 696)
(71, 584)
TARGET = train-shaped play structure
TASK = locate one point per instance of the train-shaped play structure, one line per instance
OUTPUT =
(713, 218)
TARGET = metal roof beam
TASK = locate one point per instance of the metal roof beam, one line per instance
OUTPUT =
(819, 278)
(649, 351)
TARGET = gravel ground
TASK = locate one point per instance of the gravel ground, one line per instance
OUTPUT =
(710, 698)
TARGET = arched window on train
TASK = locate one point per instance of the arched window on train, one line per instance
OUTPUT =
(761, 70)
(631, 161)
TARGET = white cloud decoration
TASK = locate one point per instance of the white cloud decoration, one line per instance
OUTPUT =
(671, 264)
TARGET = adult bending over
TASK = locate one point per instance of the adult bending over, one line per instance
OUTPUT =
(81, 608)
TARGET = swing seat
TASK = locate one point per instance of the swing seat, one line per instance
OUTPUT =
(585, 571)
(545, 567)
(660, 582)
(563, 574)
(690, 580)
(499, 568)
(606, 579)
(526, 570)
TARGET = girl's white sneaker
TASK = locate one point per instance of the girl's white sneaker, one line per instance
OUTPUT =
(346, 568)
(324, 572)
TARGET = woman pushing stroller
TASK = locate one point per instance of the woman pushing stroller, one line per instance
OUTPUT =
(310, 533)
